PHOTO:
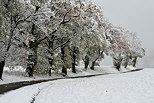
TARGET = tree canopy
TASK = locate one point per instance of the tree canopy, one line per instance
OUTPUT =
(45, 35)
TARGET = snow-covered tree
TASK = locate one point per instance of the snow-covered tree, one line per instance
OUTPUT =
(79, 22)
(56, 34)
(136, 50)
(121, 45)
(12, 15)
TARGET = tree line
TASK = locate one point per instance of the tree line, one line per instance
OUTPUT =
(45, 35)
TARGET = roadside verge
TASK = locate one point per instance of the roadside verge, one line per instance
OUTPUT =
(15, 85)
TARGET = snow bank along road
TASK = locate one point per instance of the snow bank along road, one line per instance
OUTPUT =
(15, 85)
(133, 87)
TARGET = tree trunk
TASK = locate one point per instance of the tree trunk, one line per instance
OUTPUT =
(134, 62)
(86, 62)
(2, 63)
(92, 66)
(50, 72)
(32, 60)
(74, 62)
(50, 62)
(64, 69)
(117, 65)
(126, 63)
(29, 70)
(50, 47)
(93, 63)
(73, 68)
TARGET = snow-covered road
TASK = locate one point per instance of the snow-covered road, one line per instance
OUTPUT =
(134, 87)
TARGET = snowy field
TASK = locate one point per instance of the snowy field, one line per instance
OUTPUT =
(133, 87)
(18, 74)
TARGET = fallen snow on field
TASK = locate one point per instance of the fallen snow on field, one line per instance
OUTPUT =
(134, 87)
(18, 74)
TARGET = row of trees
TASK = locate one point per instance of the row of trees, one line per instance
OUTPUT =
(41, 35)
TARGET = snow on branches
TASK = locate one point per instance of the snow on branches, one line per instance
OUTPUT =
(57, 34)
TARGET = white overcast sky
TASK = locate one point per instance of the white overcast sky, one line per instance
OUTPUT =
(136, 16)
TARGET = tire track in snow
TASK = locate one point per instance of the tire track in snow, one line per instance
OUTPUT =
(35, 95)
(15, 85)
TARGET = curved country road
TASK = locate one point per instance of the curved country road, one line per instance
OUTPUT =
(15, 85)
(133, 87)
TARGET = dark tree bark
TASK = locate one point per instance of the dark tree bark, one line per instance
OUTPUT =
(73, 64)
(50, 72)
(2, 63)
(74, 60)
(126, 62)
(134, 62)
(92, 66)
(32, 58)
(73, 68)
(117, 64)
(50, 62)
(86, 62)
(64, 69)
(32, 61)
(100, 54)
(50, 47)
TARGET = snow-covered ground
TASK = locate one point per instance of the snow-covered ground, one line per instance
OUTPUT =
(18, 74)
(133, 87)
